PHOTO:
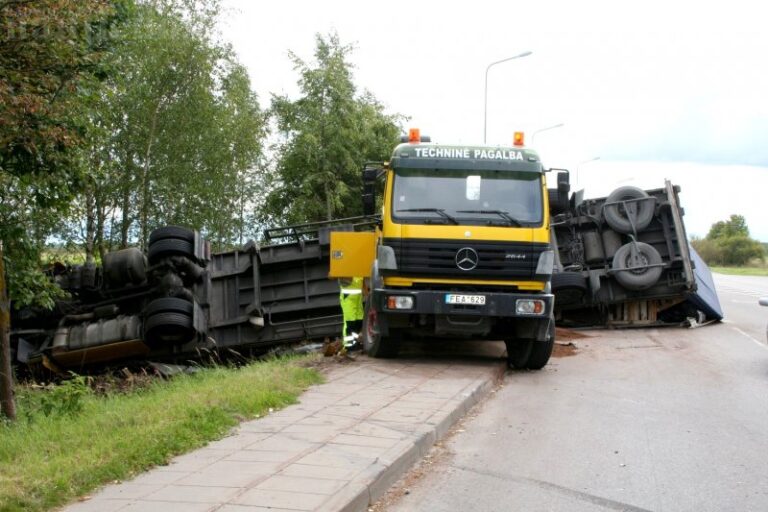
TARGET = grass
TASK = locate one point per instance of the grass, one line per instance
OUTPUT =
(49, 460)
(741, 271)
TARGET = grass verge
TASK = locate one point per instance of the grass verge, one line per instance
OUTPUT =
(741, 271)
(49, 460)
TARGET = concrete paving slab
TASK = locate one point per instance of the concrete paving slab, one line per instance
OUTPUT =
(194, 494)
(282, 499)
(337, 450)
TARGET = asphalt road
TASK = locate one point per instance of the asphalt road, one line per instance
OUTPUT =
(738, 297)
(655, 419)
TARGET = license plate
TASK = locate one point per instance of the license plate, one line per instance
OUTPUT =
(475, 300)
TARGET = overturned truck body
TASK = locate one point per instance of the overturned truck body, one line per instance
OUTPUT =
(623, 260)
(180, 302)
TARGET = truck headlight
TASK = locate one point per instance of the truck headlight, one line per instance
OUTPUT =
(399, 302)
(386, 256)
(546, 263)
(530, 307)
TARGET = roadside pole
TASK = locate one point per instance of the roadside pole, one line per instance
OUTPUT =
(7, 405)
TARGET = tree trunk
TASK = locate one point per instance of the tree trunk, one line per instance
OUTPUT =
(125, 206)
(145, 182)
(90, 224)
(328, 202)
(7, 404)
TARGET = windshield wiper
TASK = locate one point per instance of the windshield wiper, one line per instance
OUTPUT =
(438, 211)
(504, 215)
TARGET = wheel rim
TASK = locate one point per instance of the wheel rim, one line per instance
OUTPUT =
(641, 260)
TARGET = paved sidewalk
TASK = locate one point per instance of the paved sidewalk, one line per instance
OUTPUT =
(340, 448)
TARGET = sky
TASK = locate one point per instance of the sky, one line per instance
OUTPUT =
(654, 90)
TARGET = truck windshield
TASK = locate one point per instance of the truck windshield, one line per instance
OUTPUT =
(463, 196)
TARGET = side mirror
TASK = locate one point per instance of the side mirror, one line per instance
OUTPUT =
(369, 204)
(370, 175)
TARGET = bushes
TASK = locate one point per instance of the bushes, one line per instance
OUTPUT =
(728, 243)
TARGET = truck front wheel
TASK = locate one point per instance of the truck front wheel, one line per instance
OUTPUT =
(542, 351)
(374, 344)
(518, 352)
(530, 354)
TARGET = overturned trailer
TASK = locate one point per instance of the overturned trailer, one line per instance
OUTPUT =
(180, 302)
(623, 260)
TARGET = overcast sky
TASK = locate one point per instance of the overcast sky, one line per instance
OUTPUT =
(656, 90)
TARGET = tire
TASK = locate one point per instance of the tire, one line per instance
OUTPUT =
(616, 214)
(169, 305)
(518, 352)
(555, 205)
(374, 344)
(177, 232)
(168, 328)
(541, 351)
(641, 278)
(568, 287)
(169, 247)
(168, 320)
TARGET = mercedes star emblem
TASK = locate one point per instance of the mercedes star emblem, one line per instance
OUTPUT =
(466, 258)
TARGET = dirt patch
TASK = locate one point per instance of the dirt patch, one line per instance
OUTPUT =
(564, 350)
(561, 333)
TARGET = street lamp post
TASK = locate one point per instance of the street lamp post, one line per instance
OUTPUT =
(584, 163)
(485, 101)
(533, 137)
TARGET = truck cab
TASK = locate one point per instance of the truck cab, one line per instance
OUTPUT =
(462, 250)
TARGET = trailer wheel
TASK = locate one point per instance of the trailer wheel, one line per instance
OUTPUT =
(568, 287)
(646, 271)
(541, 351)
(171, 232)
(169, 247)
(168, 320)
(374, 344)
(617, 215)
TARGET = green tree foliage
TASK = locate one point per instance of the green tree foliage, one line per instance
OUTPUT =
(51, 64)
(180, 138)
(728, 243)
(327, 135)
(735, 226)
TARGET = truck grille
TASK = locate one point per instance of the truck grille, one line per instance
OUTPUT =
(496, 260)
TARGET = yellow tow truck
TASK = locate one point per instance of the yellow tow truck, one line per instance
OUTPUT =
(462, 248)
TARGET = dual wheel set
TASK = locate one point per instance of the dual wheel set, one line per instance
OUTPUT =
(169, 320)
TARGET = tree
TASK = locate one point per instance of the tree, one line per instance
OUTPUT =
(50, 55)
(735, 226)
(328, 133)
(181, 133)
(728, 243)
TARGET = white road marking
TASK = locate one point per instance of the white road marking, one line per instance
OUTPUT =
(763, 345)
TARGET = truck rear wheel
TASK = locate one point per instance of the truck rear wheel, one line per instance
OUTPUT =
(374, 344)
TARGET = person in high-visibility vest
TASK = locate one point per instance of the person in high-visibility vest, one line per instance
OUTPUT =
(351, 300)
